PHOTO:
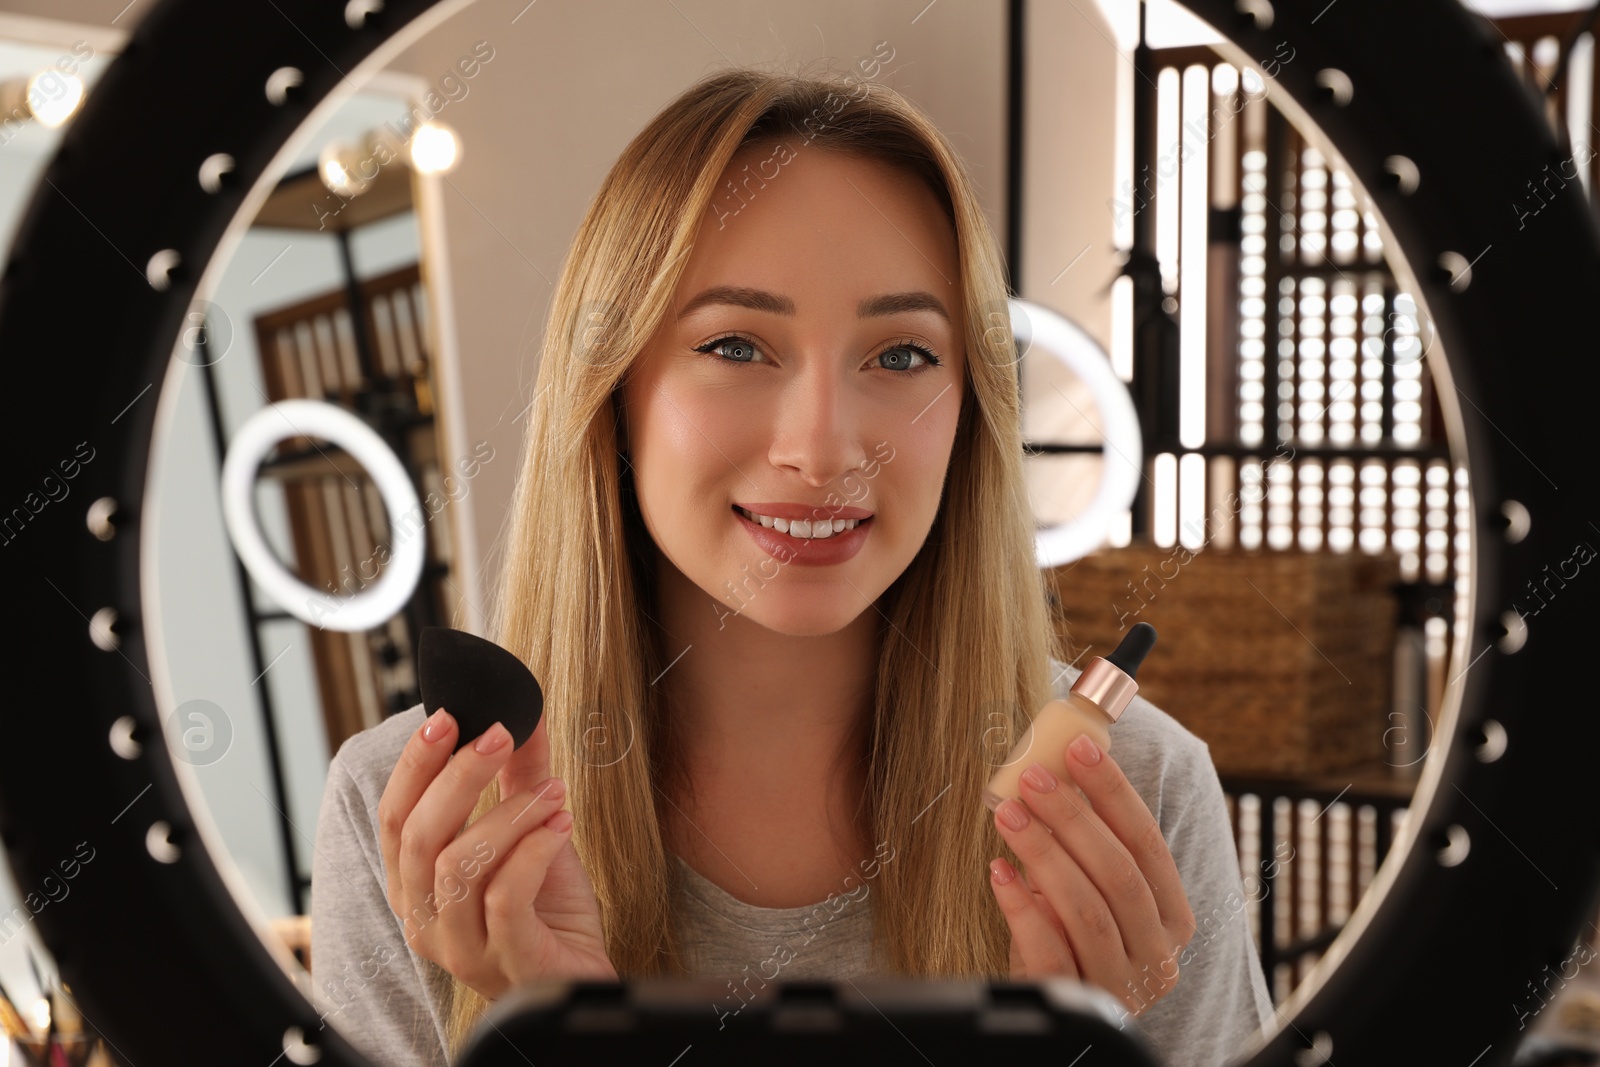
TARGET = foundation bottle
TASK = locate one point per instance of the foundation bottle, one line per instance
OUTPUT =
(1097, 698)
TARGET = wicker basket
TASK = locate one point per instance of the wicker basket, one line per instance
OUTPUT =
(1281, 661)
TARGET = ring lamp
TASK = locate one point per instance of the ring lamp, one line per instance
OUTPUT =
(1119, 473)
(358, 611)
(1483, 893)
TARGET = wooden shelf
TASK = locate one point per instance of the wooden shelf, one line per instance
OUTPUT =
(1373, 778)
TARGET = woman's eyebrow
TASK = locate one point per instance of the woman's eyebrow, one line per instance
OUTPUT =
(761, 300)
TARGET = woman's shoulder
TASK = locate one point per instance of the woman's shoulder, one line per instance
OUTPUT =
(368, 757)
(1163, 759)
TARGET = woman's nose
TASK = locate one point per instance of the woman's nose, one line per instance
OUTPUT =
(817, 429)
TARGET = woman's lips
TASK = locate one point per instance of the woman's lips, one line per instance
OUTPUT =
(790, 512)
(807, 551)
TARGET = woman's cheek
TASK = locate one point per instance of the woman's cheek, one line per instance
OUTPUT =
(921, 483)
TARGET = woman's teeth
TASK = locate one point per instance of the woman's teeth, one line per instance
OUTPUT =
(816, 528)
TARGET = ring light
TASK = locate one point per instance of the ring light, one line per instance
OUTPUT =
(1486, 887)
(251, 443)
(1119, 474)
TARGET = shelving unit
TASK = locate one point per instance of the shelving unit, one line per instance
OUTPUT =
(1368, 468)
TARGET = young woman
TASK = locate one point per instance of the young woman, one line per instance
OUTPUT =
(771, 560)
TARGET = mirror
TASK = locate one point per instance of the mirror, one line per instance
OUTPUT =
(1303, 569)
(499, 235)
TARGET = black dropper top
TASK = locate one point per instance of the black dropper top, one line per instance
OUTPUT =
(1133, 649)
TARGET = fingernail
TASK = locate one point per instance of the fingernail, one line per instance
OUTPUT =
(1085, 749)
(437, 726)
(551, 789)
(560, 822)
(1039, 778)
(1001, 871)
(1014, 815)
(492, 739)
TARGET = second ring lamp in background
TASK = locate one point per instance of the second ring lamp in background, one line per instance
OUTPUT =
(397, 579)
(1055, 335)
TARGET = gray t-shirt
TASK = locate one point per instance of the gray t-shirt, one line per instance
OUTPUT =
(390, 1002)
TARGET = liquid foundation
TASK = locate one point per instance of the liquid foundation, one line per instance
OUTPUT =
(1097, 698)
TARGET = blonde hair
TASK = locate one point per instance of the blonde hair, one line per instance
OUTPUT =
(965, 645)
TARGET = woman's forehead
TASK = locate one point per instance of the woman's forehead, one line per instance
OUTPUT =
(823, 227)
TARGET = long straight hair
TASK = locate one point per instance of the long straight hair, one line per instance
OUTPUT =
(966, 635)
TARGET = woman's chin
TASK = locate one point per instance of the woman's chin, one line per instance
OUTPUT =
(804, 616)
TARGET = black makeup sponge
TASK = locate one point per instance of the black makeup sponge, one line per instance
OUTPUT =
(477, 682)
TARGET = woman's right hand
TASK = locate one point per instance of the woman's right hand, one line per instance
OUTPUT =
(506, 899)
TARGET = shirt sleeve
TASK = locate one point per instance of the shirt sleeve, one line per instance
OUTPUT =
(368, 984)
(1221, 998)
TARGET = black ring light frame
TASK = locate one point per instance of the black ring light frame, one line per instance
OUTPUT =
(111, 250)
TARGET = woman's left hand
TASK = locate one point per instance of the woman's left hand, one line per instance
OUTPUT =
(1100, 899)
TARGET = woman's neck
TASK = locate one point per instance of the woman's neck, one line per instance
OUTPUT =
(749, 700)
(770, 729)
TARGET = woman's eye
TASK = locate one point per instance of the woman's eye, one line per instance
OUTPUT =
(905, 357)
(902, 356)
(738, 349)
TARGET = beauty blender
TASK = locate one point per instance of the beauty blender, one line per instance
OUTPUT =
(477, 682)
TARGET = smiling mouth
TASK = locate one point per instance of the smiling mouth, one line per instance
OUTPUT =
(803, 528)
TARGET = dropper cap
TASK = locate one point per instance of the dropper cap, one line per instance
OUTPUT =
(1109, 680)
(1133, 649)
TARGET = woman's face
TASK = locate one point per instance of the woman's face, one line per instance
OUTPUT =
(791, 378)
